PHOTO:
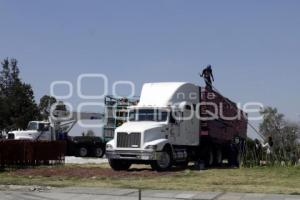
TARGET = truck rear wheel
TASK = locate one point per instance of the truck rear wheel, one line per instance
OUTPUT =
(119, 165)
(99, 152)
(164, 162)
(82, 152)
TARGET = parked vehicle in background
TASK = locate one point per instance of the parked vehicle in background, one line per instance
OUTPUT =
(86, 140)
(91, 140)
(168, 127)
(36, 130)
(81, 141)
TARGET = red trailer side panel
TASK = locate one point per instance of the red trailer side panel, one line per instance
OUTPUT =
(221, 119)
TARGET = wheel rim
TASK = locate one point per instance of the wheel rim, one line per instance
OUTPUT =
(99, 152)
(83, 152)
(164, 160)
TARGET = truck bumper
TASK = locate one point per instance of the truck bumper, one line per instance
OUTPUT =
(132, 155)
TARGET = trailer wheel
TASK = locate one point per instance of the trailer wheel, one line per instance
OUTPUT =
(119, 165)
(99, 152)
(83, 152)
(164, 161)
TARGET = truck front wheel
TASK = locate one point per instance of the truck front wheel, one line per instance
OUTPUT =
(119, 165)
(82, 152)
(163, 162)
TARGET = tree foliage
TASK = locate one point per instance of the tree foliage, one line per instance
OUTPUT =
(272, 125)
(284, 134)
(45, 104)
(17, 104)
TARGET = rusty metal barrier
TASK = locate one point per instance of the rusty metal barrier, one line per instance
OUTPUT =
(18, 153)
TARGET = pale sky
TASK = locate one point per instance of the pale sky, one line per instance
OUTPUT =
(253, 46)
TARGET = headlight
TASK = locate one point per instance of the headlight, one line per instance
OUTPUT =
(109, 147)
(151, 147)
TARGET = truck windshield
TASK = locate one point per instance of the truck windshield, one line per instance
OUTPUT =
(33, 126)
(148, 115)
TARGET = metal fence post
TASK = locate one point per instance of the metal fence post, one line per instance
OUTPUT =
(140, 194)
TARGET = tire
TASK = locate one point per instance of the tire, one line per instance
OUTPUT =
(99, 152)
(82, 152)
(165, 161)
(119, 165)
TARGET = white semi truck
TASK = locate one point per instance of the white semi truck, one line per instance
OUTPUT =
(164, 129)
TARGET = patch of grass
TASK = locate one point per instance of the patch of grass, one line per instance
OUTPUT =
(285, 180)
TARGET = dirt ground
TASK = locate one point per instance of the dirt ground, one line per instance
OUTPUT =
(86, 172)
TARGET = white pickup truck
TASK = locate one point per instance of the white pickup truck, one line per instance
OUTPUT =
(77, 144)
(36, 130)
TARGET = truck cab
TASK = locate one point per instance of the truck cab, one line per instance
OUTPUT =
(36, 130)
(160, 130)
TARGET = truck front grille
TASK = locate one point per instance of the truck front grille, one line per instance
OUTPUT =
(132, 140)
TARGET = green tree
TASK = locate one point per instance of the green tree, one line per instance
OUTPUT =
(17, 103)
(3, 113)
(291, 140)
(5, 76)
(284, 134)
(45, 104)
(272, 125)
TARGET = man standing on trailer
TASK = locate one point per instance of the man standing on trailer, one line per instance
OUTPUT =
(207, 74)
